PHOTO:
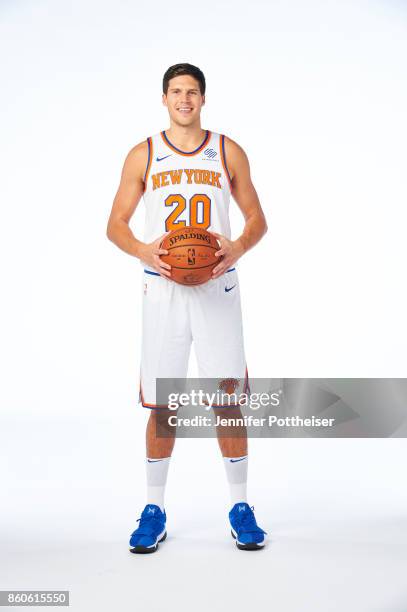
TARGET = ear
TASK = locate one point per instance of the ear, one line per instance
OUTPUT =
(203, 100)
(164, 99)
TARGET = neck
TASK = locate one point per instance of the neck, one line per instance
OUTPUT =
(187, 137)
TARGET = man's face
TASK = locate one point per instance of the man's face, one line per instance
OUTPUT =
(184, 100)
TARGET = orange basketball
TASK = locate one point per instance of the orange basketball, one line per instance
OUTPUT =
(191, 255)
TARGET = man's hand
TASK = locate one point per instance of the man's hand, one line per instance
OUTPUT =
(231, 250)
(150, 254)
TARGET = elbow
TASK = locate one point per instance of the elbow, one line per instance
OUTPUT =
(109, 231)
(112, 227)
(265, 226)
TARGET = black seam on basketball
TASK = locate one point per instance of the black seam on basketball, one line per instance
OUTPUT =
(193, 269)
(207, 246)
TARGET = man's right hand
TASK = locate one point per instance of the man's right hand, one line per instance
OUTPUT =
(150, 254)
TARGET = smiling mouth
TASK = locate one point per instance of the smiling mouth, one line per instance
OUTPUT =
(184, 110)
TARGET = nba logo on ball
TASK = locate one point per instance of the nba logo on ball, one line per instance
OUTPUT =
(191, 256)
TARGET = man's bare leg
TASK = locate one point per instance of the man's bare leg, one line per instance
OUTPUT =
(160, 436)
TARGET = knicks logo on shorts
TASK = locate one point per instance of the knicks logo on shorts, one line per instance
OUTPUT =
(228, 385)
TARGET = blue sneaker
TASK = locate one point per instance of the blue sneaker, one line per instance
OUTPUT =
(245, 530)
(150, 532)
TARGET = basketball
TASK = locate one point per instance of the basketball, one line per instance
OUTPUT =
(191, 255)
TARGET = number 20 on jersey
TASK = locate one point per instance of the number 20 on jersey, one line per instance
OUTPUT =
(199, 207)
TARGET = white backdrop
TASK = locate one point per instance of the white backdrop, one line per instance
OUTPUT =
(316, 94)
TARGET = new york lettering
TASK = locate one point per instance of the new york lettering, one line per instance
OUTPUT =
(190, 176)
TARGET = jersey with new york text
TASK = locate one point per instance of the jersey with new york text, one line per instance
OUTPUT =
(186, 188)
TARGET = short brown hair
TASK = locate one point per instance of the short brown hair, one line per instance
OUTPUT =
(178, 70)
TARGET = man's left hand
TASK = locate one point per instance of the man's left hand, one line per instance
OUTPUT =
(231, 250)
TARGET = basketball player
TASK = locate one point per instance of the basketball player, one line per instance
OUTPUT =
(186, 175)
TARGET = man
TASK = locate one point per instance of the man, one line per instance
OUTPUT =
(186, 175)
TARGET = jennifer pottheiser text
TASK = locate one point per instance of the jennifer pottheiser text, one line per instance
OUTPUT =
(250, 421)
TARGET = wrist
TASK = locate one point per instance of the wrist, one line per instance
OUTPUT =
(241, 248)
(139, 250)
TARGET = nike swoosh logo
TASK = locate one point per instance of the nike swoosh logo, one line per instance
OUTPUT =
(153, 460)
(227, 289)
(161, 158)
(236, 460)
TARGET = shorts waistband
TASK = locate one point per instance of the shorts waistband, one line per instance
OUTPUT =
(156, 273)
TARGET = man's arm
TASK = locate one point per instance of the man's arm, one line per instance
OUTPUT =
(246, 197)
(128, 195)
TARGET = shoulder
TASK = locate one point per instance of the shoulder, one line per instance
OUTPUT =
(139, 151)
(137, 158)
(235, 155)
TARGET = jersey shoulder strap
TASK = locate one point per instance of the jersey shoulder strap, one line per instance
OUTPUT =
(149, 160)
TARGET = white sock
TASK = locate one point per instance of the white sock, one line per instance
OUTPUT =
(236, 472)
(157, 470)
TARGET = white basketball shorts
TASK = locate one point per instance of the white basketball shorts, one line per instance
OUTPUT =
(174, 315)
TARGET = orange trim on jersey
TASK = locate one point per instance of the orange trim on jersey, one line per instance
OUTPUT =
(149, 160)
(223, 158)
(187, 153)
(145, 405)
(246, 382)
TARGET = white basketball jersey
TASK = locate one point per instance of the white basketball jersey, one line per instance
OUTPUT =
(186, 188)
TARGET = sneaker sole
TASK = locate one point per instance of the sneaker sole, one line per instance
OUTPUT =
(250, 546)
(145, 550)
